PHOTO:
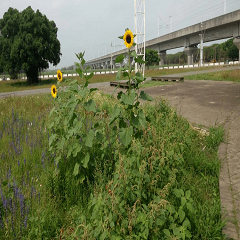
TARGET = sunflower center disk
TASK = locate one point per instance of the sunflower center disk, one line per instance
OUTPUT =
(128, 39)
(54, 91)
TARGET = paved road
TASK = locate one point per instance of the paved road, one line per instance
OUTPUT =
(207, 103)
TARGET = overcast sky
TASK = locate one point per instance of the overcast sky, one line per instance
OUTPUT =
(92, 25)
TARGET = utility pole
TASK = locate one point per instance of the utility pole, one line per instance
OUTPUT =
(139, 6)
(111, 57)
(201, 46)
(159, 25)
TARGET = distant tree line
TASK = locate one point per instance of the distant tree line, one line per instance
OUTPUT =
(214, 53)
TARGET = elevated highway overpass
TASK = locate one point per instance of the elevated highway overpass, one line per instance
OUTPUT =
(222, 27)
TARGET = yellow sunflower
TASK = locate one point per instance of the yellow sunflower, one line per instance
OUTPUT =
(59, 75)
(128, 38)
(54, 91)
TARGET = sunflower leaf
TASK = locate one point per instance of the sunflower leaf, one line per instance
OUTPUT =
(129, 99)
(90, 106)
(133, 54)
(139, 77)
(119, 58)
(115, 114)
(125, 135)
(88, 76)
(120, 37)
(144, 96)
(119, 73)
(139, 59)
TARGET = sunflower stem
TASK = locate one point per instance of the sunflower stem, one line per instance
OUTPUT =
(129, 72)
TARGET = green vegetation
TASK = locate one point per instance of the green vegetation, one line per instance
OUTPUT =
(29, 42)
(53, 203)
(104, 168)
(151, 57)
(230, 75)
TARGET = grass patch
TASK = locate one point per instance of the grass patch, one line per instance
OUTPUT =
(230, 75)
(37, 203)
(155, 83)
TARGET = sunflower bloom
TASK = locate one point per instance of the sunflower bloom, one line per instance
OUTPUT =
(128, 38)
(54, 91)
(59, 75)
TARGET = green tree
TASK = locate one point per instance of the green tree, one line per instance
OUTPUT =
(9, 26)
(151, 57)
(29, 41)
(231, 49)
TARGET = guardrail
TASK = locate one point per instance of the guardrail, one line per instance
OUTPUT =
(46, 76)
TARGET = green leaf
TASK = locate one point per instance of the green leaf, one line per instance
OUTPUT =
(166, 232)
(133, 54)
(87, 77)
(125, 135)
(188, 194)
(52, 138)
(76, 149)
(90, 106)
(187, 224)
(86, 160)
(83, 92)
(120, 37)
(76, 169)
(139, 59)
(181, 214)
(60, 144)
(139, 77)
(52, 111)
(119, 73)
(183, 201)
(77, 127)
(83, 62)
(115, 114)
(189, 207)
(142, 118)
(129, 99)
(89, 139)
(119, 58)
(80, 72)
(144, 96)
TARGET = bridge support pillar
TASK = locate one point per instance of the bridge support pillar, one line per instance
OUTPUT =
(113, 64)
(162, 56)
(104, 65)
(236, 42)
(190, 52)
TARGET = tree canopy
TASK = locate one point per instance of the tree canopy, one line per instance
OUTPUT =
(29, 42)
(151, 57)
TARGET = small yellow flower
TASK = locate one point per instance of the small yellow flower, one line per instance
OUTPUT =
(128, 38)
(59, 75)
(54, 91)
